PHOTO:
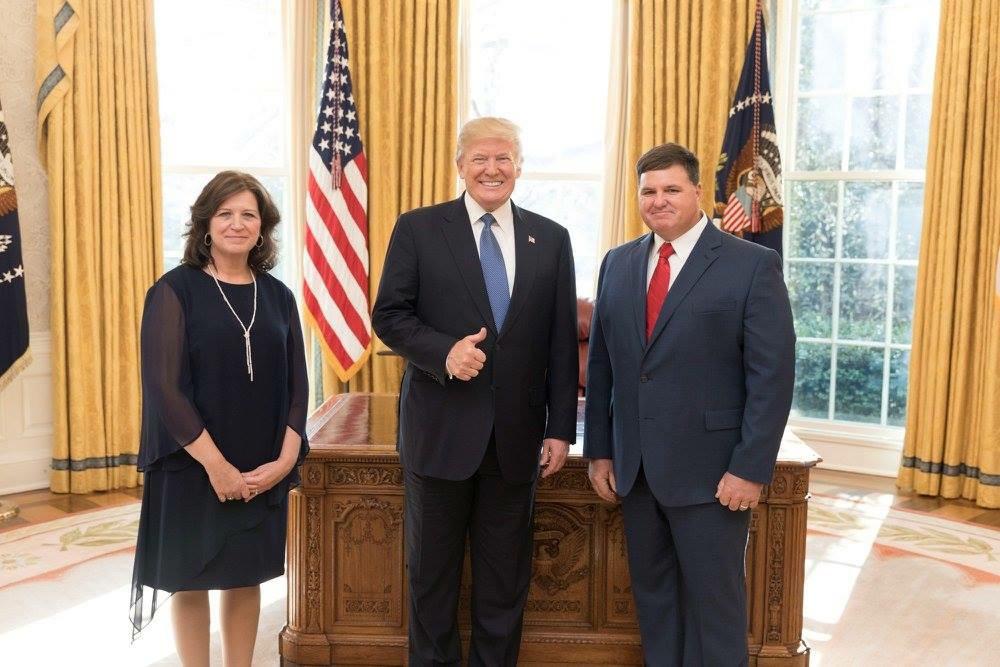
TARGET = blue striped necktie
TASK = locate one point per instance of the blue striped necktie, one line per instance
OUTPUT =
(494, 271)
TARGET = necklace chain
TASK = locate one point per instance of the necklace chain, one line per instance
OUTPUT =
(246, 329)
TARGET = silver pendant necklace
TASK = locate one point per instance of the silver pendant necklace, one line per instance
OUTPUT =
(246, 329)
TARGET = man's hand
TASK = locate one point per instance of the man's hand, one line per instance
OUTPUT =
(554, 453)
(465, 359)
(602, 478)
(737, 493)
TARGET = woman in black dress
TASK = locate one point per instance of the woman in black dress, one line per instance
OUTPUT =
(223, 426)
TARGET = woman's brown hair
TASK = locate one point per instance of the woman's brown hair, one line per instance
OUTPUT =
(224, 185)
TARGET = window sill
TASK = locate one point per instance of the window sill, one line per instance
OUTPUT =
(860, 448)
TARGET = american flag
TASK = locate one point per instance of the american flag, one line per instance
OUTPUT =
(335, 267)
(748, 178)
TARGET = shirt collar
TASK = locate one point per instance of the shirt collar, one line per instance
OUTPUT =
(504, 215)
(683, 244)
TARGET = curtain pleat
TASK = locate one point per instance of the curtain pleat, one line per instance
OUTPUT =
(952, 443)
(99, 135)
(404, 65)
(680, 65)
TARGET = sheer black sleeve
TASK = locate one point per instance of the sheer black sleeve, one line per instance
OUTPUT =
(170, 420)
(298, 379)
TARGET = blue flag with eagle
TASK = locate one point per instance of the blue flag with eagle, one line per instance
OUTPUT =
(14, 354)
(748, 192)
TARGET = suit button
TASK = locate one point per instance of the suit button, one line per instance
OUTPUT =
(643, 378)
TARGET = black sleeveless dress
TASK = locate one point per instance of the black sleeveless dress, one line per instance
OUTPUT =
(194, 377)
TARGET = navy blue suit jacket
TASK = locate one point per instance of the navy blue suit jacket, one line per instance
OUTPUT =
(712, 389)
(432, 294)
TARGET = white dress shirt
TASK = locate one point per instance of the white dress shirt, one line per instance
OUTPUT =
(503, 231)
(683, 245)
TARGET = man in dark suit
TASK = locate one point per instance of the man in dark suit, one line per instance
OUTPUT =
(479, 297)
(689, 385)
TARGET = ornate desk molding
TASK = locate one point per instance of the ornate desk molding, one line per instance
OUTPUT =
(346, 570)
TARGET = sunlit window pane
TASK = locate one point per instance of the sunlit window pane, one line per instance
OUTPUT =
(863, 293)
(820, 137)
(910, 209)
(821, 36)
(544, 65)
(220, 74)
(873, 132)
(813, 207)
(867, 218)
(220, 67)
(859, 384)
(810, 287)
(574, 205)
(918, 123)
(860, 121)
(812, 380)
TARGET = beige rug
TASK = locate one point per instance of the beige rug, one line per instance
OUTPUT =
(883, 587)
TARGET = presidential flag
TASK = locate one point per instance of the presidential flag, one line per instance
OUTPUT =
(335, 266)
(14, 353)
(748, 195)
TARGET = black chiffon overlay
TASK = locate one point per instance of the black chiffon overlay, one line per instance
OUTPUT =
(194, 377)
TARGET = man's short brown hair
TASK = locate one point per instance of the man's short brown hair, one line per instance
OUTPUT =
(665, 156)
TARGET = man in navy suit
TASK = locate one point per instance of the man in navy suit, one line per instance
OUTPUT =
(479, 297)
(689, 384)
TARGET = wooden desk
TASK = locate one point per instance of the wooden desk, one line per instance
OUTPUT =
(347, 598)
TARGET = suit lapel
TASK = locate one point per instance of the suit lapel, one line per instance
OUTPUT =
(525, 264)
(457, 232)
(705, 251)
(638, 267)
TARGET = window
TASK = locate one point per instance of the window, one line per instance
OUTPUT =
(222, 106)
(859, 112)
(544, 65)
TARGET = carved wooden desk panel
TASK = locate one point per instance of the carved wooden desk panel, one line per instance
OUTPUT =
(347, 600)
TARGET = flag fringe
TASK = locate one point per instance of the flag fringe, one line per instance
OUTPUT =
(19, 365)
(343, 374)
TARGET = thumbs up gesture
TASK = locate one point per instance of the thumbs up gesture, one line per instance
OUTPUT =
(465, 359)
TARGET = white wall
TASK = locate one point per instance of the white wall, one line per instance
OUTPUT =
(26, 405)
(26, 423)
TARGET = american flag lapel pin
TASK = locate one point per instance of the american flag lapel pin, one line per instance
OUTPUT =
(531, 239)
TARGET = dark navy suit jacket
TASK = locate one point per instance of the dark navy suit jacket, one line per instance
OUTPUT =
(432, 294)
(712, 389)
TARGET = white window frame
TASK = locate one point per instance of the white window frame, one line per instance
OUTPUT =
(289, 230)
(848, 446)
(464, 101)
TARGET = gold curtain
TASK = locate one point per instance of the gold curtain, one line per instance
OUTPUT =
(99, 136)
(404, 66)
(304, 28)
(952, 445)
(681, 64)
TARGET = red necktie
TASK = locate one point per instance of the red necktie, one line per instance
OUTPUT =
(658, 286)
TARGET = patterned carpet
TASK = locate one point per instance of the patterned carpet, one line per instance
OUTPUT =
(883, 586)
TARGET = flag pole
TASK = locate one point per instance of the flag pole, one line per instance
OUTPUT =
(755, 132)
(336, 169)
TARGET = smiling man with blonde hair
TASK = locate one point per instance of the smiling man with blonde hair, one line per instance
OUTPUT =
(478, 295)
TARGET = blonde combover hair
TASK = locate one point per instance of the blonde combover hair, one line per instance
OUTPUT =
(489, 127)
